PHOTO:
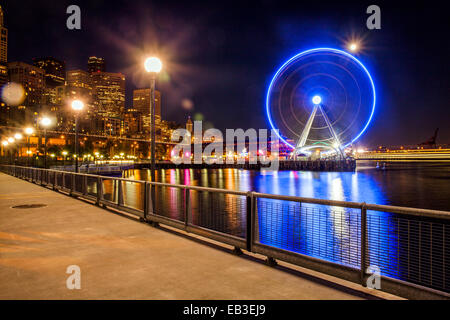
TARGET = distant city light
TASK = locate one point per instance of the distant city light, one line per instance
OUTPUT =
(18, 136)
(316, 99)
(77, 105)
(153, 64)
(10, 140)
(5, 143)
(46, 121)
(29, 131)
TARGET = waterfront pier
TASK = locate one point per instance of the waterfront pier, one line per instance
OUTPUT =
(121, 258)
(342, 239)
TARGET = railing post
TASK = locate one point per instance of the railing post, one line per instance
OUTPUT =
(119, 193)
(187, 206)
(250, 219)
(99, 190)
(72, 184)
(150, 198)
(84, 185)
(363, 242)
(145, 199)
(55, 180)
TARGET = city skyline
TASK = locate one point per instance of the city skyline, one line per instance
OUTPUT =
(191, 85)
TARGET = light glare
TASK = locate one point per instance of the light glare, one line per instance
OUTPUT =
(316, 99)
(153, 64)
(46, 121)
(77, 105)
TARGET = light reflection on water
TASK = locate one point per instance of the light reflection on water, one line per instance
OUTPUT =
(326, 232)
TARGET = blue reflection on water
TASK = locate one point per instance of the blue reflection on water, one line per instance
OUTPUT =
(328, 232)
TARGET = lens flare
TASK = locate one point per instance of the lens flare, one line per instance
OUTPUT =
(13, 94)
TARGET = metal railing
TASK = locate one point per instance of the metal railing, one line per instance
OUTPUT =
(410, 247)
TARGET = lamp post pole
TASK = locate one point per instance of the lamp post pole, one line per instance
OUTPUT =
(77, 106)
(152, 125)
(45, 148)
(28, 150)
(76, 142)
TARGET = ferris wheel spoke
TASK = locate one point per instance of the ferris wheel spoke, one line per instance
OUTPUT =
(333, 133)
(305, 133)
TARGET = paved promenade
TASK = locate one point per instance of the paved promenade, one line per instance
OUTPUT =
(121, 258)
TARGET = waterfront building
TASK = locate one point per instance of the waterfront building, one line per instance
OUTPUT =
(141, 102)
(108, 91)
(31, 78)
(132, 122)
(96, 64)
(55, 71)
(3, 50)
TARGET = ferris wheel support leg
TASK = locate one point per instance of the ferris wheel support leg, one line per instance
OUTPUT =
(304, 136)
(333, 133)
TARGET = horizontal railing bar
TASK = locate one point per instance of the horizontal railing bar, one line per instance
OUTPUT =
(410, 211)
(336, 203)
(346, 204)
(340, 269)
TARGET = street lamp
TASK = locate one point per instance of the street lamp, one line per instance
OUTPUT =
(45, 122)
(153, 65)
(18, 137)
(64, 153)
(28, 131)
(77, 106)
(4, 145)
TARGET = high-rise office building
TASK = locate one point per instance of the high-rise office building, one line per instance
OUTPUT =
(55, 71)
(96, 64)
(79, 86)
(31, 78)
(141, 102)
(108, 93)
(3, 39)
(3, 50)
(132, 122)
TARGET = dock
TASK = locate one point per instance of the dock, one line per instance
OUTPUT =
(122, 258)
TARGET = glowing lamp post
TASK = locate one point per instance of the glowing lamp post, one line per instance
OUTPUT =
(64, 154)
(77, 106)
(17, 138)
(153, 66)
(28, 131)
(45, 122)
(4, 145)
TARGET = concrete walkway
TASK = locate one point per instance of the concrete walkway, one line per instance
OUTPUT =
(121, 258)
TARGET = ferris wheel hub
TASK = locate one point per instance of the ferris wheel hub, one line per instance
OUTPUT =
(316, 99)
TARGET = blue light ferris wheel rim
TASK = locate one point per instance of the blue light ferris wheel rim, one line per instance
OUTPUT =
(303, 53)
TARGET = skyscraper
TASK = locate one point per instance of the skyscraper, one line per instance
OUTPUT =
(141, 102)
(3, 50)
(31, 78)
(55, 71)
(79, 85)
(108, 93)
(96, 64)
(3, 39)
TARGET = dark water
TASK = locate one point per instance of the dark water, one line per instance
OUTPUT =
(418, 185)
(403, 247)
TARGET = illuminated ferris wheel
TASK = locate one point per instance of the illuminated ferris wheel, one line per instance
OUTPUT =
(321, 99)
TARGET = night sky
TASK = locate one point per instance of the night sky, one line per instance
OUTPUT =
(221, 55)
